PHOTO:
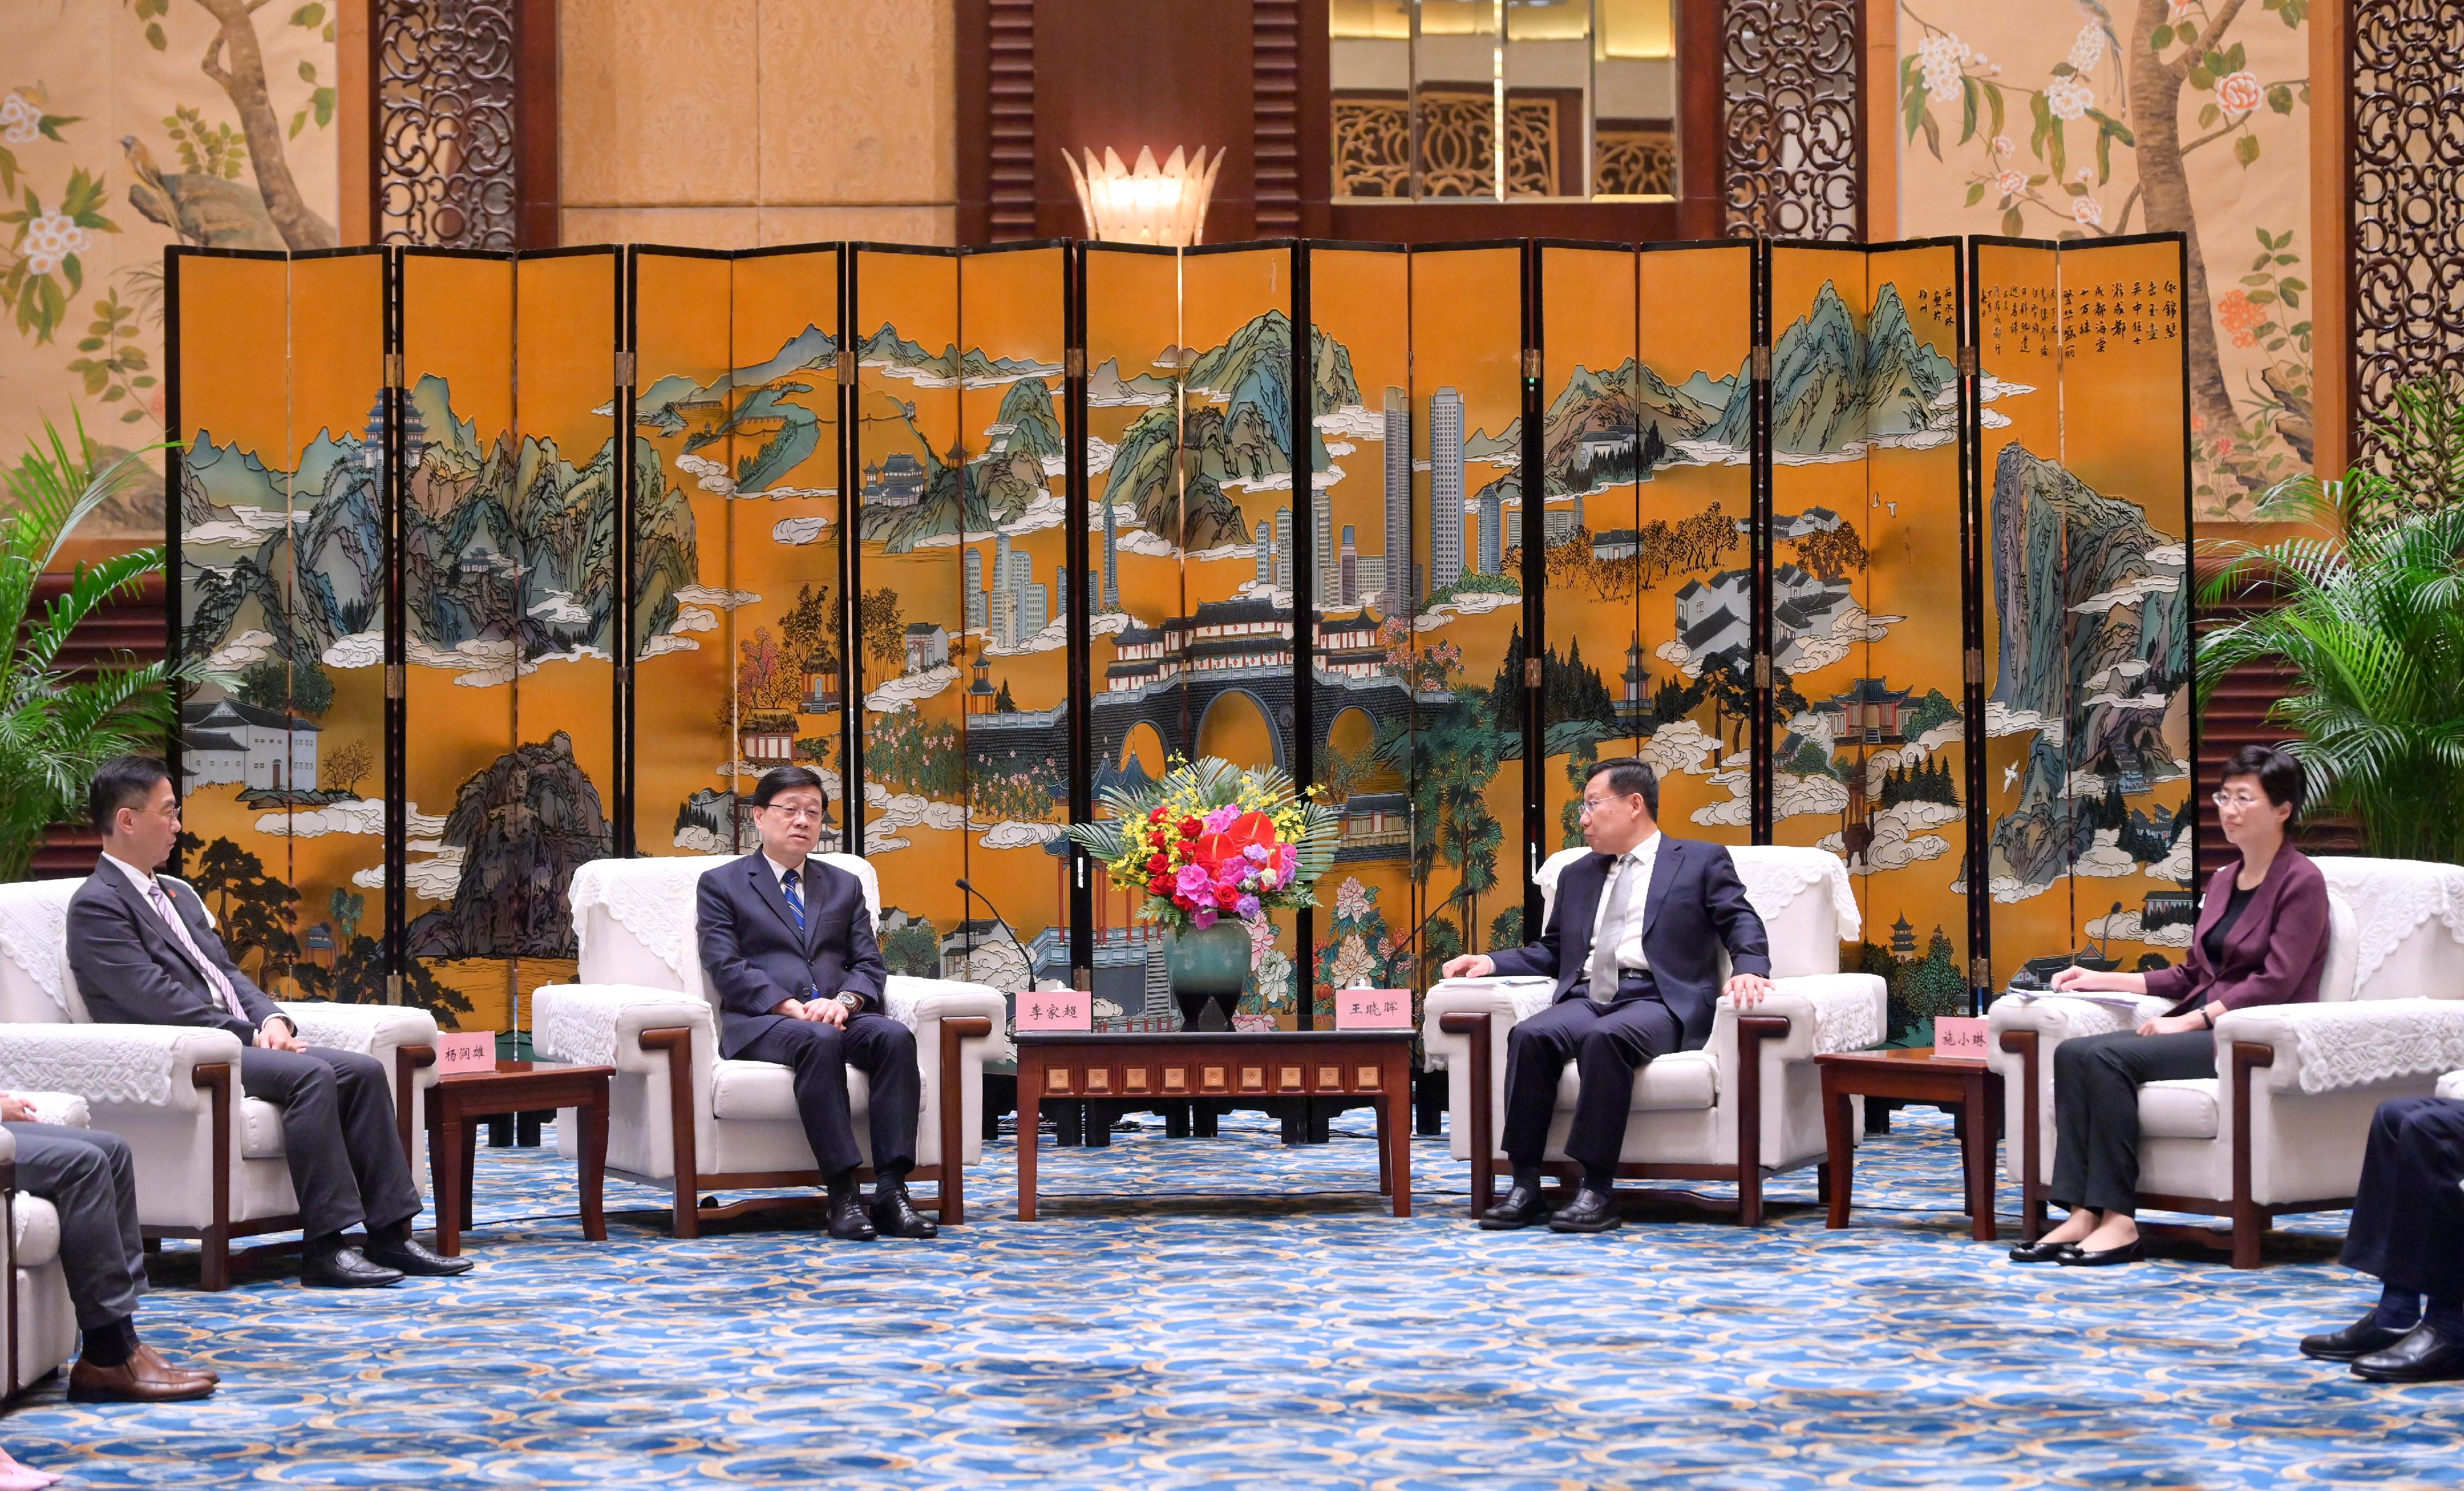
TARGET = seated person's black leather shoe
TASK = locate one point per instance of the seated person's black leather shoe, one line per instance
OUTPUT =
(412, 1256)
(1520, 1207)
(2426, 1354)
(2042, 1252)
(2355, 1341)
(894, 1214)
(2131, 1252)
(345, 1268)
(848, 1221)
(1592, 1211)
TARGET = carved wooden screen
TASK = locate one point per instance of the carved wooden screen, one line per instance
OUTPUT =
(443, 75)
(2406, 197)
(1792, 104)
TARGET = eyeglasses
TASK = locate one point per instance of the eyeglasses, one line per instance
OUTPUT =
(1593, 804)
(799, 815)
(2223, 799)
(171, 813)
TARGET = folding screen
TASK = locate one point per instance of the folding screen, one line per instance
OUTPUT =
(1591, 518)
(1753, 486)
(1019, 580)
(1471, 860)
(1361, 679)
(1692, 558)
(2085, 494)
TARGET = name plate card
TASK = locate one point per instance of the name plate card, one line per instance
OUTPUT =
(1373, 1009)
(1961, 1036)
(465, 1051)
(1054, 1010)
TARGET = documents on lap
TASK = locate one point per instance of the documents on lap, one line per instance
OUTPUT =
(2119, 1004)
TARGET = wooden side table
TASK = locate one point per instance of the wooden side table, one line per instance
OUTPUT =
(1973, 1089)
(1223, 1064)
(513, 1087)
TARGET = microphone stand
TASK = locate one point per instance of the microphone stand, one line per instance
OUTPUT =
(1003, 922)
(1413, 936)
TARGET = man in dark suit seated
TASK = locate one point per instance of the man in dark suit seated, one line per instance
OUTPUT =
(787, 943)
(90, 1180)
(144, 954)
(2407, 1233)
(1634, 943)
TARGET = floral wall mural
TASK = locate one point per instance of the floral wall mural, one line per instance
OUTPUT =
(2102, 117)
(127, 126)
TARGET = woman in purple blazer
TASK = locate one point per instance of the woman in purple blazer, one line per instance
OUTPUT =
(2261, 939)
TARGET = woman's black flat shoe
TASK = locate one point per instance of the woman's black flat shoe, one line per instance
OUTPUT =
(2102, 1258)
(2042, 1252)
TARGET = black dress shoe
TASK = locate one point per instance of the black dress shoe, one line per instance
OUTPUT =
(411, 1255)
(2102, 1258)
(894, 1215)
(345, 1268)
(1520, 1207)
(848, 1221)
(2426, 1355)
(2355, 1341)
(1592, 1211)
(2042, 1252)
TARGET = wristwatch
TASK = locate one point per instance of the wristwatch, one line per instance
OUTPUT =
(854, 1002)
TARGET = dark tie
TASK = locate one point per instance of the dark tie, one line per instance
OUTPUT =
(794, 897)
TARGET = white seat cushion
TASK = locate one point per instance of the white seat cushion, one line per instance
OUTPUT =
(38, 1231)
(2183, 1109)
(765, 1090)
(1683, 1082)
(260, 1129)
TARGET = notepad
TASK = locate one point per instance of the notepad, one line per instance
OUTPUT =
(2119, 1004)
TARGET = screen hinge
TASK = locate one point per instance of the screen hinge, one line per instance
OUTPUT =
(1532, 367)
(393, 989)
(393, 369)
(394, 680)
(1968, 362)
(1531, 672)
(1761, 670)
(1083, 979)
(1980, 972)
(1976, 665)
(624, 370)
(1074, 362)
(847, 364)
(1762, 364)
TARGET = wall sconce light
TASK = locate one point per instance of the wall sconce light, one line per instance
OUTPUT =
(1154, 203)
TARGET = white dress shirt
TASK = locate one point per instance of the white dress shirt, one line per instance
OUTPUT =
(1628, 888)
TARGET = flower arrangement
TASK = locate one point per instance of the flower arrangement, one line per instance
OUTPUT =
(1213, 840)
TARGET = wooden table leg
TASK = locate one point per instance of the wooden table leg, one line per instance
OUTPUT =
(1030, 1089)
(1397, 1110)
(446, 1146)
(593, 1165)
(1839, 1112)
(1385, 1156)
(1976, 1157)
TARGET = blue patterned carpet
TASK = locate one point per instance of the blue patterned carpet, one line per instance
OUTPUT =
(1213, 1337)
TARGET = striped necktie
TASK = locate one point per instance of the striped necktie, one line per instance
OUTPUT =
(787, 881)
(221, 985)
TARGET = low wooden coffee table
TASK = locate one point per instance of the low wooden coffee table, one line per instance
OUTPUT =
(1968, 1087)
(1223, 1064)
(513, 1087)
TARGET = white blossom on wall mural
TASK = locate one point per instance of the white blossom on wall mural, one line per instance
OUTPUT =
(2096, 120)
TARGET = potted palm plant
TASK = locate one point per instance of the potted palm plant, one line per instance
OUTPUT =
(2363, 603)
(56, 725)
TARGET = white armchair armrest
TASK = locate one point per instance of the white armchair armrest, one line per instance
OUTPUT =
(915, 1002)
(2055, 1020)
(64, 1108)
(2451, 1086)
(1827, 1013)
(150, 1067)
(601, 1024)
(2331, 1047)
(375, 1029)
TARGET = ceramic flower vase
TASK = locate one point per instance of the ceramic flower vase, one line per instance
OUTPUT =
(1208, 969)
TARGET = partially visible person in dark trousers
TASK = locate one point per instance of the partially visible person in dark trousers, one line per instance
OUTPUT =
(88, 1177)
(2407, 1233)
(144, 954)
(2261, 939)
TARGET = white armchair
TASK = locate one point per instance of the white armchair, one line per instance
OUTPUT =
(2282, 1125)
(678, 1115)
(1747, 1106)
(210, 1159)
(38, 1328)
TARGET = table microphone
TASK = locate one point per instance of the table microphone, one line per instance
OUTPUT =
(1004, 927)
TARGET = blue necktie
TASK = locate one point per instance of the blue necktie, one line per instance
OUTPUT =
(794, 897)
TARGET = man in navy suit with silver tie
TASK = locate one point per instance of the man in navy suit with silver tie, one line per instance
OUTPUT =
(787, 941)
(1634, 943)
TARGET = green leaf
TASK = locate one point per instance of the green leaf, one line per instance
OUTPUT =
(2280, 98)
(75, 273)
(1967, 92)
(323, 101)
(2262, 297)
(2075, 189)
(307, 72)
(2057, 152)
(89, 344)
(1975, 192)
(308, 15)
(2163, 38)
(2103, 156)
(1932, 134)
(2236, 59)
(2246, 149)
(2288, 258)
(298, 122)
(2012, 224)
(2292, 297)
(1993, 106)
(155, 38)
(2291, 283)
(2201, 79)
(2208, 115)
(1912, 105)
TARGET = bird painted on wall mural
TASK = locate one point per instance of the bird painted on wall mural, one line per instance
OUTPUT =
(202, 209)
